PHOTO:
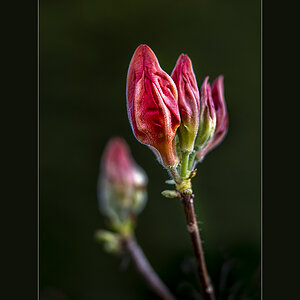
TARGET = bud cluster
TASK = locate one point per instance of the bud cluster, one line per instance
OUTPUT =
(169, 113)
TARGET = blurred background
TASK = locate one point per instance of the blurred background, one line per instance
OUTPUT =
(85, 50)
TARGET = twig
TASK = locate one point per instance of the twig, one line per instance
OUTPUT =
(192, 226)
(144, 268)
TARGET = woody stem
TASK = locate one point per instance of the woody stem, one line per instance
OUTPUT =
(144, 268)
(192, 226)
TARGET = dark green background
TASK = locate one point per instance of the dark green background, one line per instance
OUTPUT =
(85, 50)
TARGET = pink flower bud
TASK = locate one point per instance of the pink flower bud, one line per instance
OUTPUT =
(188, 101)
(122, 182)
(221, 115)
(152, 105)
(207, 119)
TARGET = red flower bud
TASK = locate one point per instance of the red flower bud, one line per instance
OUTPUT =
(152, 105)
(207, 119)
(188, 101)
(222, 117)
(118, 165)
(122, 182)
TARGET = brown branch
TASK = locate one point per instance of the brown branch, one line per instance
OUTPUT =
(144, 268)
(192, 226)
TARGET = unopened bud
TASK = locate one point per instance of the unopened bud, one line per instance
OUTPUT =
(152, 105)
(221, 118)
(188, 101)
(207, 119)
(122, 183)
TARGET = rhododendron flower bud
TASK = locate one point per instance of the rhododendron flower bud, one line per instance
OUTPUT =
(207, 119)
(122, 183)
(152, 105)
(188, 101)
(221, 115)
